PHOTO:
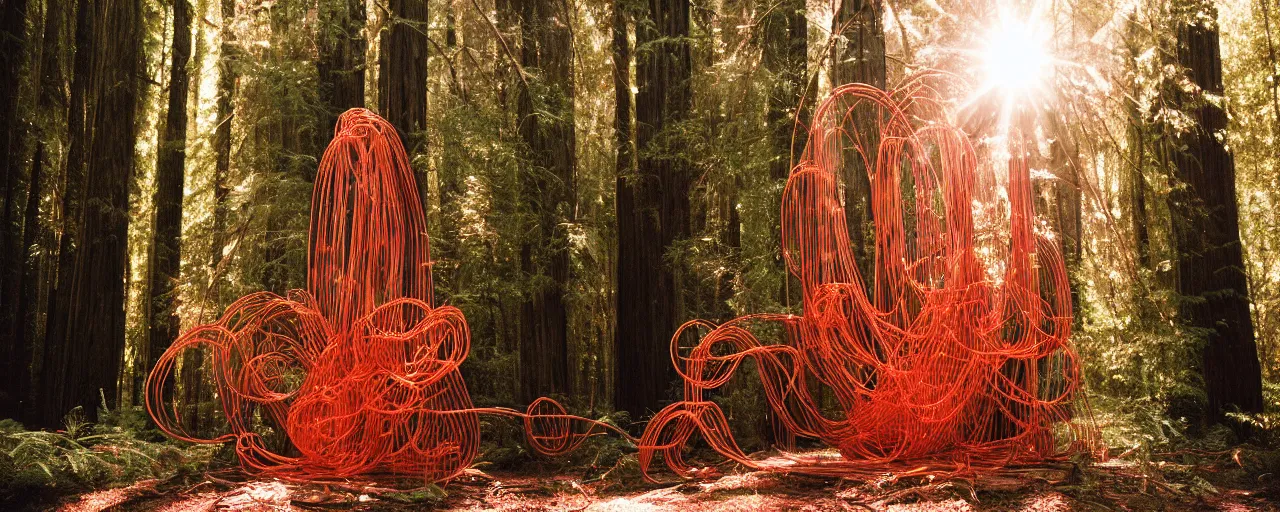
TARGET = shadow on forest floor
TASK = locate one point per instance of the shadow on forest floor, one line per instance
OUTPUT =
(1188, 481)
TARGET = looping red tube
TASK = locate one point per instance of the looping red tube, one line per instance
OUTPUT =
(952, 352)
(953, 349)
(360, 370)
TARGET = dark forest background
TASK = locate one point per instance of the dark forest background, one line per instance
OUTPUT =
(597, 172)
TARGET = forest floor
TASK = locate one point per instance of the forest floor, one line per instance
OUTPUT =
(1177, 482)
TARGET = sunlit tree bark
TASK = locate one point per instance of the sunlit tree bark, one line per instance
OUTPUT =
(1207, 230)
(227, 76)
(166, 243)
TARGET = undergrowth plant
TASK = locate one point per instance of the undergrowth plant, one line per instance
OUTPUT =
(119, 450)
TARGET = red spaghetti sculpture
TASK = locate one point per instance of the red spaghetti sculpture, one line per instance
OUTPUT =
(360, 370)
(951, 356)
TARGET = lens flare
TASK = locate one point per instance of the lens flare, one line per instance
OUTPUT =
(1015, 57)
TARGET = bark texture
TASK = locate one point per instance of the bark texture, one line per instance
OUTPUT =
(546, 125)
(73, 200)
(82, 360)
(341, 64)
(166, 239)
(858, 56)
(13, 59)
(1207, 232)
(402, 75)
(653, 210)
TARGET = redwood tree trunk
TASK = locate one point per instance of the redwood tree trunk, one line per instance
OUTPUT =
(653, 211)
(624, 164)
(1067, 206)
(1207, 234)
(402, 76)
(73, 200)
(340, 63)
(547, 186)
(84, 356)
(858, 56)
(13, 56)
(18, 366)
(785, 53)
(51, 83)
(166, 243)
(195, 390)
(1138, 186)
(222, 137)
(1138, 154)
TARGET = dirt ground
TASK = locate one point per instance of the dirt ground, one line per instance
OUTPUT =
(1112, 486)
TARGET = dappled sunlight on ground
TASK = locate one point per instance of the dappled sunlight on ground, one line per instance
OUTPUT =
(274, 495)
(97, 500)
(1114, 485)
(107, 498)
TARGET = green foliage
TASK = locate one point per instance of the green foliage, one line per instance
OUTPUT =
(475, 238)
(504, 446)
(85, 456)
(1134, 354)
(1265, 426)
(1249, 72)
(744, 405)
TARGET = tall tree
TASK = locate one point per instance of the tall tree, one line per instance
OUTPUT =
(340, 62)
(653, 209)
(51, 83)
(858, 56)
(1065, 213)
(1207, 228)
(624, 163)
(546, 125)
(166, 243)
(18, 366)
(195, 391)
(402, 75)
(83, 353)
(1138, 154)
(73, 200)
(785, 52)
(13, 59)
(227, 77)
(18, 349)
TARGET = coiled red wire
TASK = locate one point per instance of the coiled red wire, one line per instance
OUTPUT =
(953, 353)
(360, 370)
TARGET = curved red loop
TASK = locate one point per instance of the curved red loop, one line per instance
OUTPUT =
(954, 347)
